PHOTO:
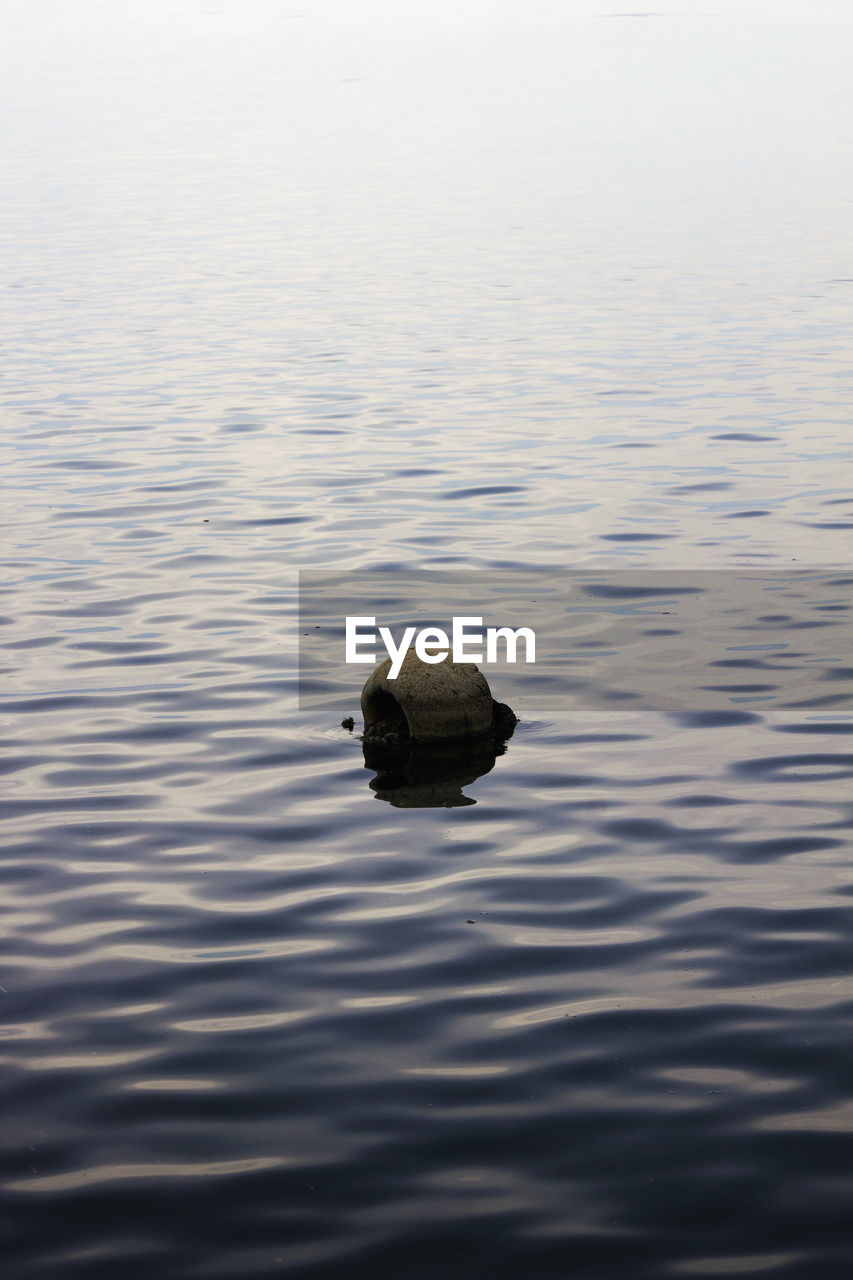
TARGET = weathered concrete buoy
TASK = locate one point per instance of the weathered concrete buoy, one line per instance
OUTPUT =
(431, 702)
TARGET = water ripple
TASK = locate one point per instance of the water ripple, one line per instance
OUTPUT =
(466, 290)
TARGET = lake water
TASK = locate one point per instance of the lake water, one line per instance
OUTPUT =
(485, 288)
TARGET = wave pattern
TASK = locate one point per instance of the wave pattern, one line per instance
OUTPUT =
(314, 291)
(258, 1018)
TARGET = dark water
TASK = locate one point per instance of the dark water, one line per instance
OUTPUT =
(491, 290)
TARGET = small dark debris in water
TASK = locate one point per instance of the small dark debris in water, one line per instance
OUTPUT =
(469, 921)
(349, 724)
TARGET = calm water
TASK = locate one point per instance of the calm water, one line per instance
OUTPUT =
(561, 286)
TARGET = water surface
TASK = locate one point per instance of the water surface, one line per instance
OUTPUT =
(557, 287)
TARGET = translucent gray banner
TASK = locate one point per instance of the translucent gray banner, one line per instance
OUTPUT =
(633, 639)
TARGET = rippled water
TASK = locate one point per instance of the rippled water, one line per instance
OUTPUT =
(483, 289)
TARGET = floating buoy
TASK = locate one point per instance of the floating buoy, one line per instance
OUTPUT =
(431, 702)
